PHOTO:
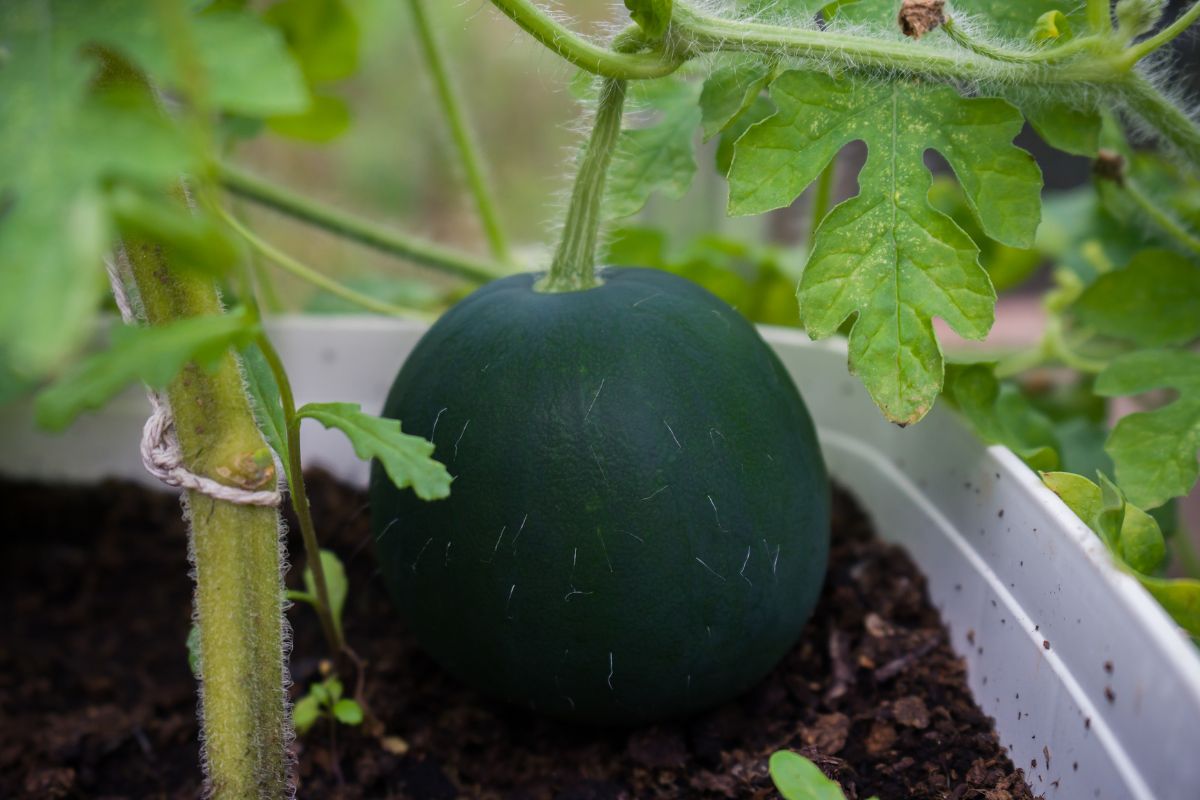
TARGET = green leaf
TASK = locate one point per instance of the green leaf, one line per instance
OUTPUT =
(797, 778)
(655, 158)
(268, 407)
(1131, 535)
(652, 16)
(1064, 126)
(760, 108)
(326, 119)
(408, 460)
(348, 712)
(305, 713)
(1180, 597)
(1154, 301)
(322, 35)
(153, 355)
(1006, 266)
(885, 254)
(335, 581)
(1002, 415)
(729, 91)
(1155, 451)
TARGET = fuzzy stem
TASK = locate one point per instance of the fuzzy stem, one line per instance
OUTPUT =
(581, 52)
(1165, 36)
(1099, 16)
(468, 147)
(235, 552)
(306, 273)
(1161, 218)
(308, 531)
(1170, 122)
(574, 265)
(427, 254)
(1047, 56)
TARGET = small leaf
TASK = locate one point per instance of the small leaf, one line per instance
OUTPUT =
(797, 778)
(1152, 302)
(1131, 535)
(658, 157)
(348, 712)
(729, 91)
(1180, 597)
(408, 460)
(1000, 414)
(652, 16)
(152, 354)
(305, 713)
(333, 689)
(335, 581)
(1064, 126)
(268, 407)
(1155, 451)
(326, 119)
(322, 34)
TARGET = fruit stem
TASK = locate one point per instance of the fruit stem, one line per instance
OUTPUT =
(574, 265)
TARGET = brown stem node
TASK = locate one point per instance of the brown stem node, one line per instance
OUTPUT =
(919, 17)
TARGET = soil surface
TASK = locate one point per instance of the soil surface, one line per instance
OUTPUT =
(96, 699)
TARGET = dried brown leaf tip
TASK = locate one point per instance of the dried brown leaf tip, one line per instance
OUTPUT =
(919, 17)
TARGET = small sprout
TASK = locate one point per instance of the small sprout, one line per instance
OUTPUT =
(324, 701)
(797, 778)
(919, 17)
(1052, 26)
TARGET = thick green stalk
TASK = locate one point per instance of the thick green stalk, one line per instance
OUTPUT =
(235, 550)
(243, 184)
(468, 148)
(580, 51)
(574, 265)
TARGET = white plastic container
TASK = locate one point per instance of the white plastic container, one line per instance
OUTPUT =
(1094, 690)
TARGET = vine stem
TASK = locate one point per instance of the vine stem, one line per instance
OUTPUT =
(1099, 15)
(348, 226)
(580, 51)
(468, 147)
(1147, 46)
(306, 273)
(1168, 119)
(1161, 217)
(574, 265)
(308, 531)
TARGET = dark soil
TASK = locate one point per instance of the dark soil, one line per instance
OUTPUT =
(96, 699)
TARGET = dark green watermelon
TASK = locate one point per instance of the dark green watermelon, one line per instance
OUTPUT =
(639, 522)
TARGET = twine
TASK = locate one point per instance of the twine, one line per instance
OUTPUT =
(161, 455)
